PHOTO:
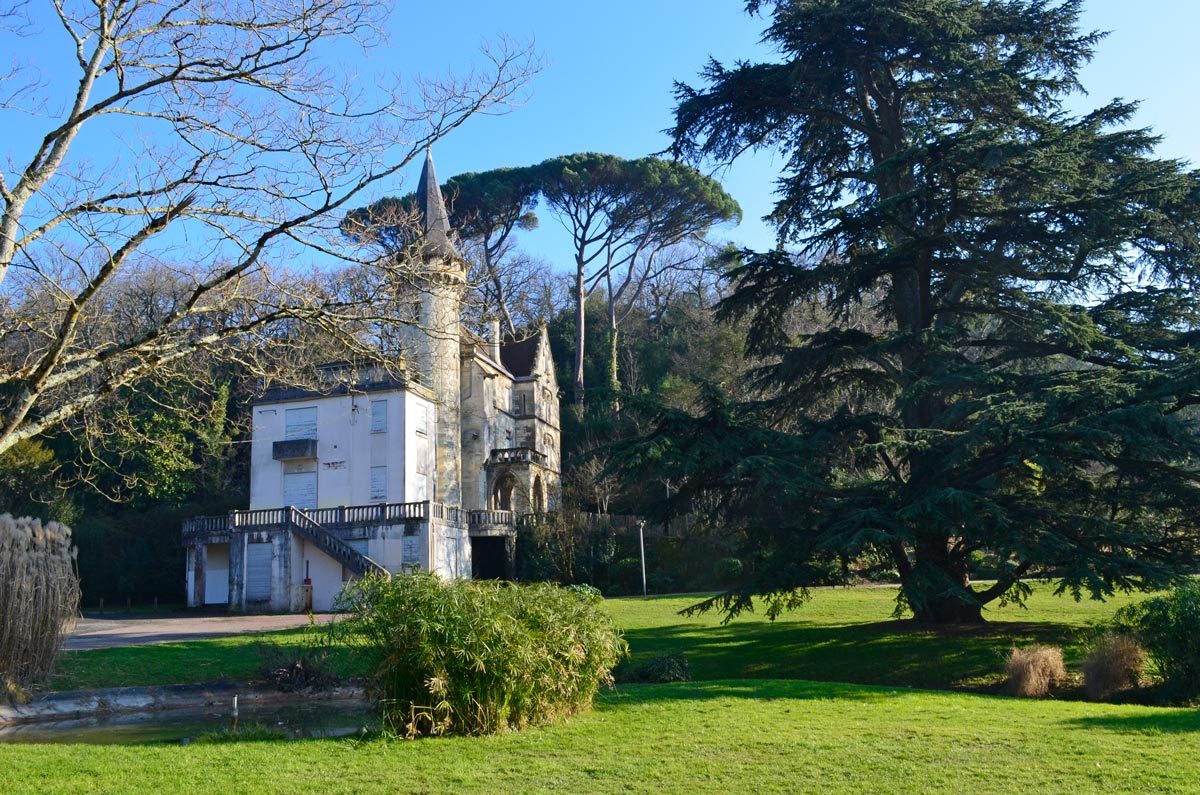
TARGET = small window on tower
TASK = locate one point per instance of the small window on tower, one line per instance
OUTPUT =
(378, 416)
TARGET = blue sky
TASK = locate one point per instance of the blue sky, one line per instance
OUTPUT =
(609, 67)
(606, 85)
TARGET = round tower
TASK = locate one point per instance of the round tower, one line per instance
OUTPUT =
(440, 279)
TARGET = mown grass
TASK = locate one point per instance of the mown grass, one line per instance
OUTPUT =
(841, 635)
(847, 635)
(716, 736)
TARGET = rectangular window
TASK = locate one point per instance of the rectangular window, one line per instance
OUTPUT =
(423, 420)
(379, 484)
(300, 424)
(378, 416)
(420, 487)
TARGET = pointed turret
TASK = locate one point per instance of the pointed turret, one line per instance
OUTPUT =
(435, 220)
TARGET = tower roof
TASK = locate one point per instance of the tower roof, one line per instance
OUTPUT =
(435, 221)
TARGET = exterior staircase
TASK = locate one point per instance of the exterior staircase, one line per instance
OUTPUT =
(312, 531)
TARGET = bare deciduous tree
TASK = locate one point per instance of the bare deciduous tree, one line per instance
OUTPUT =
(156, 209)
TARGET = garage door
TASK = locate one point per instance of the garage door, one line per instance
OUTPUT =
(258, 572)
(300, 490)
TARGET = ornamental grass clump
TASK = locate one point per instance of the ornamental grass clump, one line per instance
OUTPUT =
(1113, 663)
(39, 598)
(1034, 670)
(478, 657)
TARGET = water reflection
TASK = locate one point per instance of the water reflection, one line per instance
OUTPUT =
(270, 721)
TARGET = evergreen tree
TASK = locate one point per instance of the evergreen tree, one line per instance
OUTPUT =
(1026, 394)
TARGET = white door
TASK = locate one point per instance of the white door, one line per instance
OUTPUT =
(300, 490)
(258, 572)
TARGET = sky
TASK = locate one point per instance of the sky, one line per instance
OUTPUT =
(609, 67)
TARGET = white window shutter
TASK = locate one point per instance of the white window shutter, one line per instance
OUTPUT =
(378, 416)
(379, 484)
(300, 423)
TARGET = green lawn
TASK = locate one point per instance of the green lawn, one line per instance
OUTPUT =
(718, 736)
(841, 635)
(847, 635)
(752, 722)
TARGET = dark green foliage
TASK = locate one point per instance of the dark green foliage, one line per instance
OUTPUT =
(1011, 360)
(663, 668)
(478, 657)
(625, 576)
(1168, 627)
(727, 570)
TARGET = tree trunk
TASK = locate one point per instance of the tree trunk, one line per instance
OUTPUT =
(580, 328)
(614, 380)
(949, 610)
(938, 585)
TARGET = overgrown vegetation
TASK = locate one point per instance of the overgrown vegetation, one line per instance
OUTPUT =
(1168, 626)
(39, 597)
(307, 665)
(471, 657)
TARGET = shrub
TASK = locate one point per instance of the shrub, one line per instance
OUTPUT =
(1033, 671)
(1114, 662)
(672, 667)
(727, 570)
(589, 592)
(626, 575)
(298, 667)
(663, 582)
(1168, 627)
(477, 657)
(39, 597)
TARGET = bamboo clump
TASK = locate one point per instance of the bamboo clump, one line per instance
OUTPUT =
(39, 597)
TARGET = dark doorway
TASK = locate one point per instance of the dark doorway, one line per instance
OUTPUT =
(489, 558)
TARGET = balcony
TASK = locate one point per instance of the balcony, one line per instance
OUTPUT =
(517, 455)
(294, 448)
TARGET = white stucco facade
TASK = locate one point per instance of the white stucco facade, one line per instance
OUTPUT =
(428, 470)
(359, 460)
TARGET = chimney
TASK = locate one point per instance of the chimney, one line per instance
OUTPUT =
(494, 340)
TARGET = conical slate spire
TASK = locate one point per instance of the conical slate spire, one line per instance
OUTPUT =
(435, 221)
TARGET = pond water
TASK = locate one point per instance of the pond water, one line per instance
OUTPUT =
(273, 721)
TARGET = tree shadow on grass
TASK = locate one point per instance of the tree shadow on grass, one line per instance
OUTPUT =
(890, 653)
(757, 689)
(1170, 721)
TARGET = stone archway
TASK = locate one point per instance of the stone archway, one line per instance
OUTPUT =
(504, 493)
(539, 495)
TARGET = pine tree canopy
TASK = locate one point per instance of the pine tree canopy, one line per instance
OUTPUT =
(1022, 386)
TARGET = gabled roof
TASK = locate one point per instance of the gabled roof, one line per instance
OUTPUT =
(435, 220)
(519, 356)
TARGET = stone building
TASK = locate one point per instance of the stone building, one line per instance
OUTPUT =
(428, 472)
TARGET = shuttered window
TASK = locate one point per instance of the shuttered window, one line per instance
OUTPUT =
(378, 416)
(423, 420)
(300, 423)
(258, 572)
(300, 490)
(379, 484)
(420, 487)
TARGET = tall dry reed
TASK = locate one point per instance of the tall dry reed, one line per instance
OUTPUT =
(39, 597)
